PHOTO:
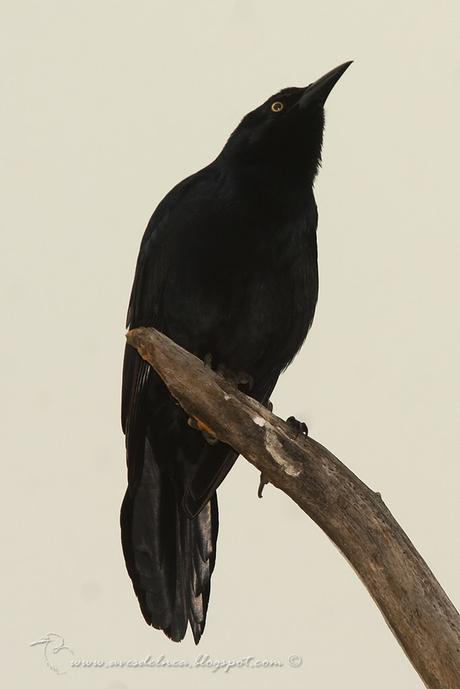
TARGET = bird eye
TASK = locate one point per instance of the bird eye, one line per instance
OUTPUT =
(277, 106)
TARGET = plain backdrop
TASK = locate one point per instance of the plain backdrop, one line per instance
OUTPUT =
(105, 105)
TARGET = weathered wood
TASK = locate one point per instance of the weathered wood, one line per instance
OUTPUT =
(422, 617)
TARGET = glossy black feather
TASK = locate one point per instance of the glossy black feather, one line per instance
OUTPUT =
(227, 266)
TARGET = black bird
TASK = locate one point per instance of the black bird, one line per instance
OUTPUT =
(227, 267)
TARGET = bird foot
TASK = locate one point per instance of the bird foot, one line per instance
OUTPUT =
(299, 427)
(263, 480)
(206, 431)
(236, 378)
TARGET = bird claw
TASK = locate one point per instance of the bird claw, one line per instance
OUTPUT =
(206, 432)
(262, 483)
(299, 427)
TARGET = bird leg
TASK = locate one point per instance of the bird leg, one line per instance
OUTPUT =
(237, 379)
(263, 479)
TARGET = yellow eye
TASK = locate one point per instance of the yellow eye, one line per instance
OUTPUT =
(277, 106)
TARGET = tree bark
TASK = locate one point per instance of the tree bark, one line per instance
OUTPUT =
(417, 609)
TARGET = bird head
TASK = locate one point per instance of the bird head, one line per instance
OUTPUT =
(285, 134)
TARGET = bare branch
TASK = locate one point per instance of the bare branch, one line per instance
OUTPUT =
(415, 606)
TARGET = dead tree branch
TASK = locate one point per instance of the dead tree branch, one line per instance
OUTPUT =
(413, 603)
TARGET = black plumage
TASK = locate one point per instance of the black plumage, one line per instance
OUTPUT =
(227, 267)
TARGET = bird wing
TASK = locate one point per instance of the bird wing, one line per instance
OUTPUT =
(145, 309)
(169, 556)
(166, 294)
(169, 517)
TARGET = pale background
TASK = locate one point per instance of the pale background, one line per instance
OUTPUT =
(106, 105)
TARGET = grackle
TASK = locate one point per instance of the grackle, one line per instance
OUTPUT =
(227, 268)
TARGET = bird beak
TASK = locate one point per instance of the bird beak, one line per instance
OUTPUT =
(38, 641)
(320, 89)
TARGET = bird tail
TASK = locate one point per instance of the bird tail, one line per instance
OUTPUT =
(170, 557)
